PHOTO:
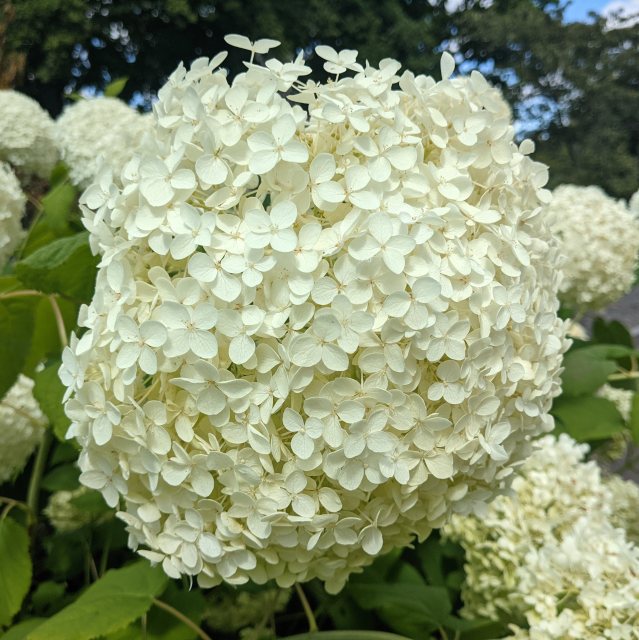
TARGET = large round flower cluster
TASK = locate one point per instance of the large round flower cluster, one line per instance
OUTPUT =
(26, 134)
(599, 240)
(315, 332)
(551, 556)
(90, 132)
(21, 427)
(12, 203)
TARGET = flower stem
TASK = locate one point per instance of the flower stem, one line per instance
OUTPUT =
(59, 321)
(182, 618)
(33, 492)
(312, 623)
(22, 293)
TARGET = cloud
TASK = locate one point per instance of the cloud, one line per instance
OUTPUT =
(621, 13)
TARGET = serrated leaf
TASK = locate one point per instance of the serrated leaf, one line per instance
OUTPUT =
(111, 603)
(15, 568)
(21, 630)
(587, 418)
(57, 206)
(48, 391)
(585, 371)
(115, 88)
(63, 478)
(407, 608)
(346, 635)
(16, 330)
(634, 418)
(65, 266)
(45, 340)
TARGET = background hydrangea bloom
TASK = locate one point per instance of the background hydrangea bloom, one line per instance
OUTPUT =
(12, 204)
(585, 217)
(555, 555)
(26, 134)
(101, 129)
(21, 427)
(317, 330)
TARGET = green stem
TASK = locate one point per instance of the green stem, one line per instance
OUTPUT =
(182, 618)
(22, 293)
(310, 616)
(33, 493)
(59, 321)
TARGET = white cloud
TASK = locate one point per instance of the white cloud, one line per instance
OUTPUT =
(621, 13)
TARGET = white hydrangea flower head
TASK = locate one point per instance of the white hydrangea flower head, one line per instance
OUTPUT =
(63, 514)
(26, 135)
(621, 398)
(90, 132)
(549, 555)
(633, 203)
(12, 205)
(625, 505)
(317, 330)
(21, 427)
(599, 240)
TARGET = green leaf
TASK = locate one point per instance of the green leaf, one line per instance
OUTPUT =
(585, 370)
(346, 635)
(57, 206)
(111, 603)
(63, 478)
(45, 341)
(161, 625)
(587, 418)
(407, 608)
(16, 330)
(48, 391)
(21, 630)
(115, 88)
(634, 418)
(611, 332)
(47, 597)
(15, 568)
(64, 266)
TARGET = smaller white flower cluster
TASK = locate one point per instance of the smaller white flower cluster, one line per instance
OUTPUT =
(554, 555)
(26, 135)
(12, 203)
(21, 427)
(625, 500)
(229, 610)
(621, 398)
(90, 132)
(64, 515)
(599, 239)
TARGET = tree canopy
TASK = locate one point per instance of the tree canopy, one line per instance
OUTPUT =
(574, 86)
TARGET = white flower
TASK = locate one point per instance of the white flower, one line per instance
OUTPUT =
(599, 239)
(26, 135)
(21, 427)
(621, 398)
(551, 555)
(310, 323)
(90, 132)
(12, 204)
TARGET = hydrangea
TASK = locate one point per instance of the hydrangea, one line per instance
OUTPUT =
(229, 610)
(599, 240)
(325, 317)
(633, 203)
(621, 398)
(12, 204)
(26, 134)
(625, 505)
(21, 427)
(549, 556)
(90, 132)
(64, 515)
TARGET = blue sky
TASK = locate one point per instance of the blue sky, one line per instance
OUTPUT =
(578, 9)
